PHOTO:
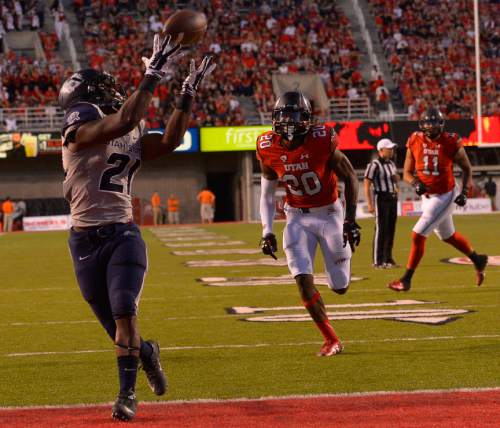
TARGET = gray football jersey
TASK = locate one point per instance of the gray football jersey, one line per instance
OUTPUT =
(98, 179)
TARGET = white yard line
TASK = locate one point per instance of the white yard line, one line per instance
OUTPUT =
(267, 398)
(382, 289)
(261, 345)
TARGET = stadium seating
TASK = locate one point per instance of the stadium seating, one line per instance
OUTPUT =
(26, 81)
(251, 40)
(249, 43)
(430, 49)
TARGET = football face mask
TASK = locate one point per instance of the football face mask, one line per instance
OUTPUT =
(432, 123)
(291, 123)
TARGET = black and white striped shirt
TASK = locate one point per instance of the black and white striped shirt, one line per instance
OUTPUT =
(381, 173)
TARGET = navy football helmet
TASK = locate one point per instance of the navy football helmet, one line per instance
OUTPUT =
(292, 115)
(431, 123)
(92, 86)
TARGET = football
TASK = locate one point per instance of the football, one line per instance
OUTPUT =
(193, 24)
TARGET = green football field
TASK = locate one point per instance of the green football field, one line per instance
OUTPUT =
(52, 350)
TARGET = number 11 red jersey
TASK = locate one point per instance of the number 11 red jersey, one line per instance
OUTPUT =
(434, 160)
(308, 178)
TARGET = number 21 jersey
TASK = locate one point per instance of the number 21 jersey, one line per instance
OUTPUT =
(98, 179)
(434, 160)
(306, 172)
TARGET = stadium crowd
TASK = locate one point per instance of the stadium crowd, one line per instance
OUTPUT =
(430, 48)
(250, 42)
(25, 81)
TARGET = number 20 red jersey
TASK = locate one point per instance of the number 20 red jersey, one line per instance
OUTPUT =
(305, 170)
(434, 160)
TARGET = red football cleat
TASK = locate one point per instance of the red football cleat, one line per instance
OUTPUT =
(480, 267)
(330, 348)
(399, 285)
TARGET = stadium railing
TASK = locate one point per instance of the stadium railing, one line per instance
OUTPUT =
(339, 108)
(48, 118)
(346, 108)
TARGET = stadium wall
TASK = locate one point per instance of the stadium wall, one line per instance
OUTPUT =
(183, 174)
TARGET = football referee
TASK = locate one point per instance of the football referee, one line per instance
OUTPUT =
(381, 174)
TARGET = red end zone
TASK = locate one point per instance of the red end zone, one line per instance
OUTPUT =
(422, 409)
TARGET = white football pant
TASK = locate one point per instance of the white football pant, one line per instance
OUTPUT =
(436, 215)
(324, 226)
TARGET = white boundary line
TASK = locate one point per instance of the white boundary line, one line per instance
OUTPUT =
(258, 345)
(194, 317)
(271, 397)
(381, 288)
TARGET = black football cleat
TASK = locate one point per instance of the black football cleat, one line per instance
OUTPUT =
(157, 380)
(480, 267)
(125, 406)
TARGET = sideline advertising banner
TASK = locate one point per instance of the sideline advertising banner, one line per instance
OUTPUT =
(475, 206)
(353, 135)
(46, 223)
(359, 135)
(190, 142)
(21, 145)
(231, 138)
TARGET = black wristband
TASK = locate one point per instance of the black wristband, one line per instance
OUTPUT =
(184, 102)
(148, 83)
(350, 213)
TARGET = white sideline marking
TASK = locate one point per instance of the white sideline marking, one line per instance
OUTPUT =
(196, 317)
(264, 261)
(248, 281)
(381, 289)
(38, 289)
(204, 244)
(217, 252)
(260, 345)
(194, 238)
(260, 399)
(254, 310)
(51, 322)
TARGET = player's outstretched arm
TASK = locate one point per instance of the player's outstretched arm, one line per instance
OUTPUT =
(165, 52)
(156, 145)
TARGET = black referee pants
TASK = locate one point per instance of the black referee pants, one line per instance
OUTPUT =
(386, 215)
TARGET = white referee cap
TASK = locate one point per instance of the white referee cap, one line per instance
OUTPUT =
(385, 143)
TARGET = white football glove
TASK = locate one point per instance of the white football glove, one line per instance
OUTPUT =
(165, 53)
(196, 75)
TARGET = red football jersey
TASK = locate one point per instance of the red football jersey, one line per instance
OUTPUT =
(434, 160)
(309, 180)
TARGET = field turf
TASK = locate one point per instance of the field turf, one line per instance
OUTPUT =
(209, 353)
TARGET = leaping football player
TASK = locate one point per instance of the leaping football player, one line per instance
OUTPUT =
(428, 167)
(104, 142)
(305, 157)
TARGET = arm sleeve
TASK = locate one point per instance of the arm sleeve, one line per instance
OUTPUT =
(267, 205)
